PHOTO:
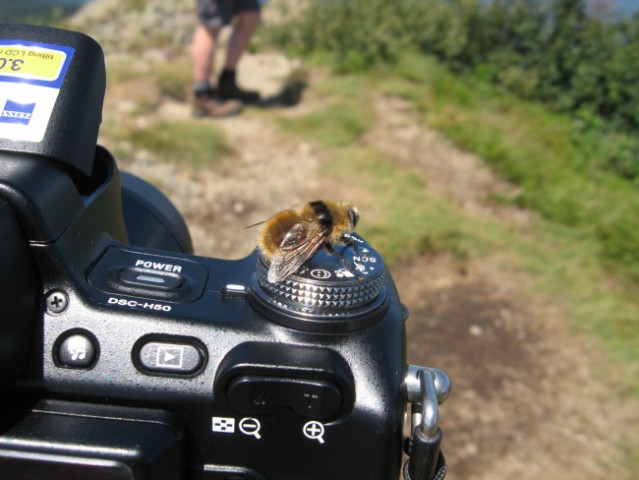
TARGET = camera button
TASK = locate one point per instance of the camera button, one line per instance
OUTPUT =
(78, 350)
(169, 358)
(233, 290)
(314, 398)
(136, 277)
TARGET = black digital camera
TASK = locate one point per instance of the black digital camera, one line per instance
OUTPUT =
(123, 356)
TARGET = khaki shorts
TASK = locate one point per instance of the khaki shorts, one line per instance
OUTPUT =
(217, 13)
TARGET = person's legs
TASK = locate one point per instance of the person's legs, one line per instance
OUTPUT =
(203, 52)
(212, 16)
(246, 23)
(247, 19)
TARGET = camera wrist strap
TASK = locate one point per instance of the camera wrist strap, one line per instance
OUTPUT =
(426, 462)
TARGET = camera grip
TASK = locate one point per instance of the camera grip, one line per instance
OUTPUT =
(18, 299)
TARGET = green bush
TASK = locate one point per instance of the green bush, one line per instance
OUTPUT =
(551, 51)
(361, 34)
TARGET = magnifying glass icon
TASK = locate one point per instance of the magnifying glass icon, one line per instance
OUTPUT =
(251, 426)
(314, 431)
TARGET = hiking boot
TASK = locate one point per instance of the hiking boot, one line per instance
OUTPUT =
(228, 89)
(209, 104)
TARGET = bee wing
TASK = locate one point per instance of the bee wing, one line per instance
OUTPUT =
(297, 246)
(297, 236)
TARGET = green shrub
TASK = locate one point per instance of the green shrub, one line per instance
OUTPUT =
(550, 51)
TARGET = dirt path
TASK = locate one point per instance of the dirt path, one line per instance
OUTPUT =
(529, 401)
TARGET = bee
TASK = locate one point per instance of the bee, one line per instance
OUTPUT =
(291, 237)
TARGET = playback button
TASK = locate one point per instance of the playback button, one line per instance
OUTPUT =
(169, 357)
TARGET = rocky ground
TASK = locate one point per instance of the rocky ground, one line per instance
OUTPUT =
(530, 400)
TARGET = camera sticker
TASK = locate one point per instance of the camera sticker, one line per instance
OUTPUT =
(14, 112)
(30, 78)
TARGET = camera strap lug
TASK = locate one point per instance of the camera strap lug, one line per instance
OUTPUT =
(426, 389)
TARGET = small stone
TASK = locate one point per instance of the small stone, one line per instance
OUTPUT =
(476, 331)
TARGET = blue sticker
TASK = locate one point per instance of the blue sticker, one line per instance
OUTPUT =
(14, 112)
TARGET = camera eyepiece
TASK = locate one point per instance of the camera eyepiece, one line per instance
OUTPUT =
(333, 292)
(151, 219)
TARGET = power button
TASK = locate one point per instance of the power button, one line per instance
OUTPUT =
(137, 277)
(153, 276)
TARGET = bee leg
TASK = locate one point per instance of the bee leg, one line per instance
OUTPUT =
(345, 263)
(350, 241)
(330, 249)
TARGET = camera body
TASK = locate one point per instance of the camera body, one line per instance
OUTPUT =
(127, 357)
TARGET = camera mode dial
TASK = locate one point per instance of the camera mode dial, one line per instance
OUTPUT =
(335, 291)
